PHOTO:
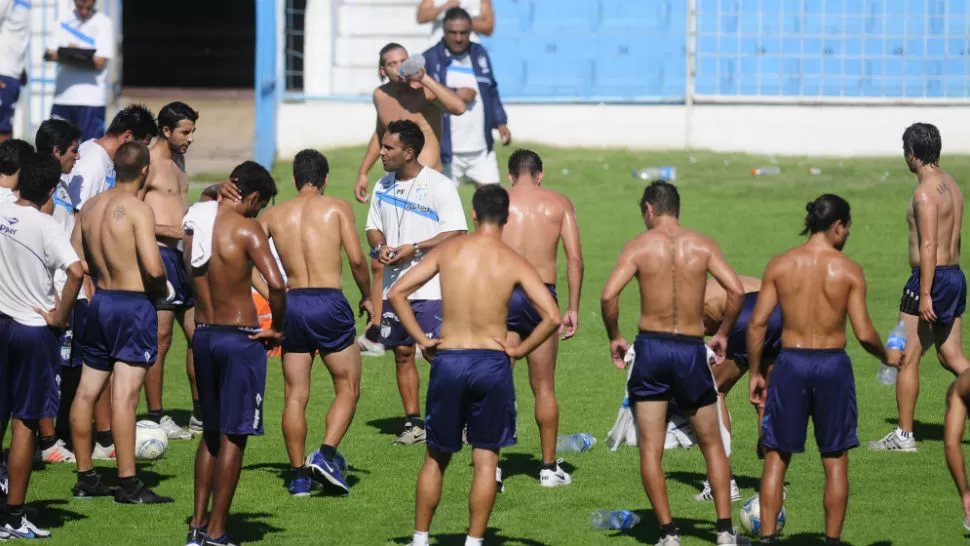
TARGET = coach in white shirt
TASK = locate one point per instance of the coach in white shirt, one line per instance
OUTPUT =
(14, 26)
(32, 248)
(433, 11)
(81, 94)
(412, 210)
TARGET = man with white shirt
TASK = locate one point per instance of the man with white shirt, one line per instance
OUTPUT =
(83, 43)
(32, 247)
(467, 146)
(412, 210)
(433, 11)
(14, 29)
(13, 152)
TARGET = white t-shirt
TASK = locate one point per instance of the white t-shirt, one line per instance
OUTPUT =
(413, 211)
(473, 7)
(64, 216)
(92, 174)
(7, 196)
(32, 248)
(14, 29)
(468, 129)
(77, 86)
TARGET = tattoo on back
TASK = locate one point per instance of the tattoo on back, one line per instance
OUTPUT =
(118, 213)
(673, 278)
(942, 188)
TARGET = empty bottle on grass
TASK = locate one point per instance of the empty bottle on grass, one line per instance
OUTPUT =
(575, 442)
(613, 519)
(652, 173)
(896, 340)
(766, 171)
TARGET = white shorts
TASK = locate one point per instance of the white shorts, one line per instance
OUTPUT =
(478, 167)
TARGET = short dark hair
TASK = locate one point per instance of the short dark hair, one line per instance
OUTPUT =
(56, 133)
(310, 167)
(825, 211)
(388, 48)
(13, 152)
(491, 204)
(923, 141)
(410, 134)
(456, 13)
(251, 177)
(524, 161)
(130, 159)
(135, 118)
(663, 197)
(39, 174)
(172, 113)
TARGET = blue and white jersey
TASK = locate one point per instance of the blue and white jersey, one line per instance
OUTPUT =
(14, 30)
(79, 86)
(411, 211)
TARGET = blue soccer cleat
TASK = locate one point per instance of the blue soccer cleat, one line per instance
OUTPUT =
(326, 472)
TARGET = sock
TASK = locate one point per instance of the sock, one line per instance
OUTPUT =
(903, 434)
(129, 484)
(156, 415)
(768, 539)
(668, 530)
(724, 526)
(830, 540)
(103, 437)
(87, 476)
(414, 420)
(328, 452)
(197, 409)
(299, 472)
(420, 538)
(469, 541)
(47, 442)
(550, 466)
(12, 514)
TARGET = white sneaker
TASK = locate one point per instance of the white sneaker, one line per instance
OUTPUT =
(498, 480)
(4, 480)
(195, 425)
(58, 453)
(670, 441)
(103, 453)
(894, 442)
(707, 494)
(731, 538)
(554, 478)
(370, 348)
(669, 540)
(26, 530)
(4, 535)
(174, 431)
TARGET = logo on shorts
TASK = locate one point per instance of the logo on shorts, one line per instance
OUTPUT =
(148, 356)
(258, 412)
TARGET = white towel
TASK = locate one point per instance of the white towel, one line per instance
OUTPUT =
(624, 430)
(200, 220)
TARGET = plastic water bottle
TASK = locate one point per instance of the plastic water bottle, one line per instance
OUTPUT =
(766, 171)
(652, 173)
(575, 442)
(814, 171)
(615, 519)
(412, 65)
(896, 340)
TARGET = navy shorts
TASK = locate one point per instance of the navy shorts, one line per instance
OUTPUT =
(523, 317)
(393, 334)
(121, 326)
(71, 356)
(230, 371)
(671, 367)
(318, 319)
(178, 277)
(949, 294)
(89, 119)
(9, 95)
(28, 361)
(473, 387)
(816, 383)
(737, 346)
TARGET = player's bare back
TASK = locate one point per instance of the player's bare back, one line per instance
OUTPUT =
(109, 236)
(307, 232)
(943, 193)
(535, 227)
(223, 293)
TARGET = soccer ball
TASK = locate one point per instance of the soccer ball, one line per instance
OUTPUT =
(151, 441)
(750, 516)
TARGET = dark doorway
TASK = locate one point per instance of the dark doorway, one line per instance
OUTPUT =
(189, 43)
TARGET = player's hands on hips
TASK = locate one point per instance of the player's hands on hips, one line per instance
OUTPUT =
(926, 309)
(503, 131)
(398, 254)
(51, 319)
(757, 389)
(513, 351)
(429, 347)
(270, 338)
(570, 323)
(618, 349)
(718, 344)
(228, 190)
(360, 188)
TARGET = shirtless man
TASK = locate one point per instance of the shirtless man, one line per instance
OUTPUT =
(538, 219)
(115, 230)
(167, 193)
(671, 264)
(230, 349)
(418, 98)
(471, 375)
(935, 296)
(957, 402)
(309, 231)
(817, 287)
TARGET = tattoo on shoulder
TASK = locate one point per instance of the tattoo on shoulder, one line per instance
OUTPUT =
(942, 188)
(119, 212)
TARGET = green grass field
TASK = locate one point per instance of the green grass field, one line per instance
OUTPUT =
(900, 499)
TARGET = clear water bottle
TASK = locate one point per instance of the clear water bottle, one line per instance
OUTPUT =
(652, 173)
(613, 519)
(766, 171)
(412, 65)
(896, 340)
(575, 442)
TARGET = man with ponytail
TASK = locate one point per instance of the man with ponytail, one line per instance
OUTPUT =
(817, 287)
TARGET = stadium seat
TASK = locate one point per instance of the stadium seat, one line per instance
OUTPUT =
(566, 17)
(558, 77)
(622, 17)
(513, 18)
(637, 68)
(385, 21)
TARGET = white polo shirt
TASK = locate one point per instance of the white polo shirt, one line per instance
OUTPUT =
(92, 174)
(468, 129)
(32, 248)
(411, 211)
(14, 30)
(473, 7)
(77, 86)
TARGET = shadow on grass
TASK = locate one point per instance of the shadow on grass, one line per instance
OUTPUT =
(51, 515)
(492, 537)
(149, 477)
(924, 431)
(696, 480)
(648, 532)
(388, 426)
(525, 464)
(814, 539)
(249, 527)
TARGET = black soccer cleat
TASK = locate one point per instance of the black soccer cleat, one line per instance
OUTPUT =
(141, 495)
(89, 489)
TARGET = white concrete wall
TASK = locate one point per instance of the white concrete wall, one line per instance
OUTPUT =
(774, 129)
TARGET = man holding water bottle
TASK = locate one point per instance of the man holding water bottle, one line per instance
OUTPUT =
(935, 296)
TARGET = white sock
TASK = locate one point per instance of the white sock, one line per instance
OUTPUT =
(903, 434)
(469, 541)
(420, 538)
